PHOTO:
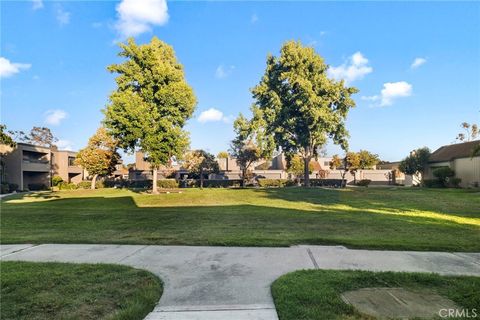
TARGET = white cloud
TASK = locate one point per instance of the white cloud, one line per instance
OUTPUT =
(8, 68)
(63, 17)
(138, 16)
(390, 92)
(54, 117)
(213, 115)
(354, 69)
(63, 144)
(253, 18)
(223, 71)
(417, 63)
(37, 4)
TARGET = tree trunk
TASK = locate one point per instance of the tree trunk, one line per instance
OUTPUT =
(94, 181)
(244, 172)
(154, 182)
(201, 178)
(306, 171)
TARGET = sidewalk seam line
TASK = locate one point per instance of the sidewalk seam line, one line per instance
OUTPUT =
(132, 254)
(310, 254)
(21, 250)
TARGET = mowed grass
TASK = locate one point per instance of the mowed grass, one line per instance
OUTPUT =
(316, 294)
(380, 218)
(76, 291)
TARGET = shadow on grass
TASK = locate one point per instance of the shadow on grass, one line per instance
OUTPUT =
(118, 219)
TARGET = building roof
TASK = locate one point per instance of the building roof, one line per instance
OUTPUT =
(454, 151)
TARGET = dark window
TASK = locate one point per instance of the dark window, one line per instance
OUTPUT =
(71, 161)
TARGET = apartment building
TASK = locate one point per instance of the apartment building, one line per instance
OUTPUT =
(63, 165)
(27, 165)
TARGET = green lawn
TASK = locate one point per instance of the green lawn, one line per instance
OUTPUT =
(76, 291)
(315, 294)
(382, 218)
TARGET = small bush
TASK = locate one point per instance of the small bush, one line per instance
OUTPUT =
(13, 187)
(443, 174)
(333, 183)
(84, 185)
(140, 184)
(56, 180)
(269, 183)
(167, 183)
(455, 182)
(221, 183)
(364, 182)
(67, 186)
(37, 187)
(432, 183)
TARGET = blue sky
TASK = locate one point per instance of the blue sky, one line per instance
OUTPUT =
(417, 65)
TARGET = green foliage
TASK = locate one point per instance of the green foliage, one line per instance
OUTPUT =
(416, 162)
(476, 150)
(222, 155)
(471, 132)
(432, 183)
(4, 188)
(167, 183)
(364, 182)
(200, 162)
(296, 165)
(301, 107)
(152, 102)
(67, 186)
(268, 183)
(56, 180)
(86, 184)
(443, 174)
(455, 182)
(100, 156)
(251, 143)
(5, 138)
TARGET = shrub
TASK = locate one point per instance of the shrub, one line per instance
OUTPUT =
(84, 185)
(432, 183)
(222, 183)
(167, 183)
(364, 182)
(140, 184)
(67, 186)
(56, 180)
(443, 174)
(88, 184)
(455, 182)
(334, 183)
(268, 183)
(12, 187)
(37, 187)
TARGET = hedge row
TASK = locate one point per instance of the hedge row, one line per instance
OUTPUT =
(6, 187)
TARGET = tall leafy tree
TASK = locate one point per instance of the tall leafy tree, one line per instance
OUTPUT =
(40, 136)
(6, 145)
(471, 132)
(199, 163)
(416, 162)
(300, 105)
(151, 104)
(5, 137)
(100, 156)
(251, 143)
(296, 166)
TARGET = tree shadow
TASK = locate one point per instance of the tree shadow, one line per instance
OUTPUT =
(119, 219)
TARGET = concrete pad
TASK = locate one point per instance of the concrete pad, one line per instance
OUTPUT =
(397, 303)
(76, 253)
(6, 249)
(444, 263)
(265, 314)
(202, 276)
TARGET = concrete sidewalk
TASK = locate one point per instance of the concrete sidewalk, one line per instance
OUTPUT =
(234, 282)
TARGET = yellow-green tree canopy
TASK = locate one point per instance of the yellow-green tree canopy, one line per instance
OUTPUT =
(100, 155)
(300, 105)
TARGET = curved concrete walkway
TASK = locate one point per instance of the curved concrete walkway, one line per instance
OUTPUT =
(234, 282)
